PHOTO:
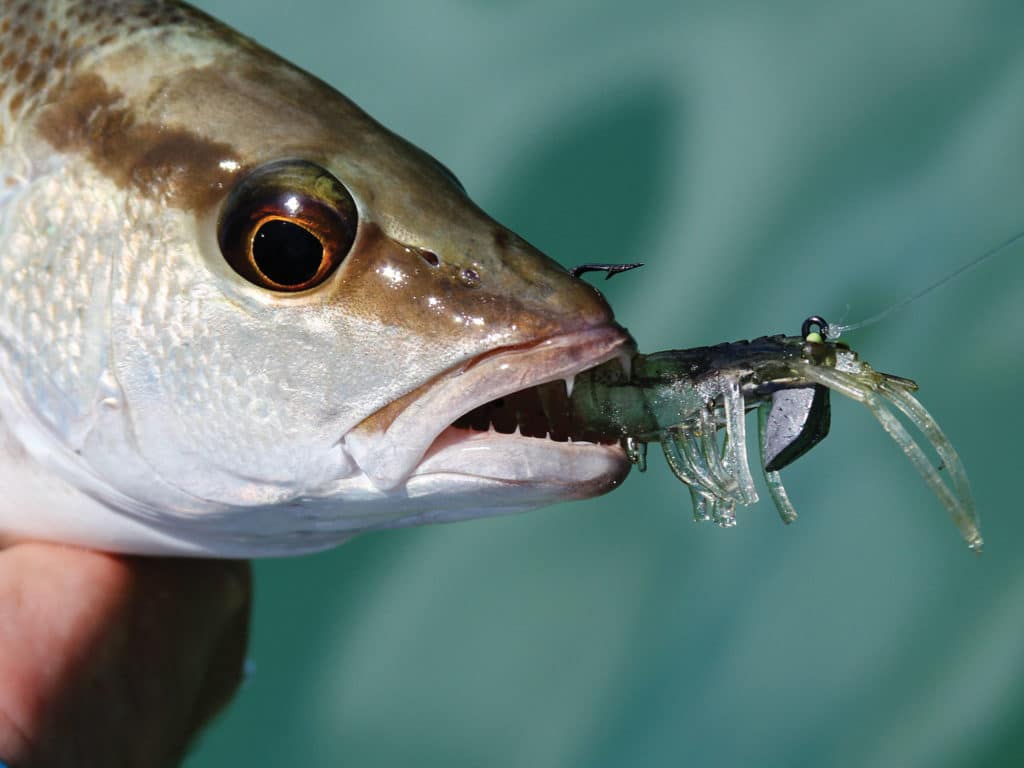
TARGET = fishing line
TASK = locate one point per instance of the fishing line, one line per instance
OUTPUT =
(837, 330)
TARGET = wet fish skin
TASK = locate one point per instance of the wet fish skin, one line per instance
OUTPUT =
(151, 399)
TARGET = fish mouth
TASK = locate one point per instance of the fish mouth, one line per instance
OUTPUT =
(498, 417)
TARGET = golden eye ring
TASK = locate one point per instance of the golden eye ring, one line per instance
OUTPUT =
(287, 226)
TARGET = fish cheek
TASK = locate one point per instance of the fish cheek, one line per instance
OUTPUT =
(224, 396)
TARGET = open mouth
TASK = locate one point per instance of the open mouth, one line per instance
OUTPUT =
(542, 412)
(504, 416)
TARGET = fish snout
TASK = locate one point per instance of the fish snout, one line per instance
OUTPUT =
(503, 292)
(543, 286)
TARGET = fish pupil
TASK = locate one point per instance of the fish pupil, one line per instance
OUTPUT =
(287, 253)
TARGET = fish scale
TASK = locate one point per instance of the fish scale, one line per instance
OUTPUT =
(53, 295)
(41, 41)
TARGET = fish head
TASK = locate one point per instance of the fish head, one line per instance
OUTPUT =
(290, 307)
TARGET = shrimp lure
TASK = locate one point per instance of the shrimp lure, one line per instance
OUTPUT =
(686, 399)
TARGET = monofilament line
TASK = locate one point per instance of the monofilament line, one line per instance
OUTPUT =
(835, 331)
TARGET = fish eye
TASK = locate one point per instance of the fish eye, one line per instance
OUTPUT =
(287, 225)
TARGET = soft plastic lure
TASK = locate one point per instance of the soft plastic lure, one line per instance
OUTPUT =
(693, 403)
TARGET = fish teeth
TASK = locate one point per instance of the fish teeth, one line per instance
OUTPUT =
(570, 381)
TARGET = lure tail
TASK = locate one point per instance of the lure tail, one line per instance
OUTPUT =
(877, 391)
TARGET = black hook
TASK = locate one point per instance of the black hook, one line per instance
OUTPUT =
(610, 269)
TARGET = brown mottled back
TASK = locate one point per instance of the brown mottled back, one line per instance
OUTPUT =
(41, 41)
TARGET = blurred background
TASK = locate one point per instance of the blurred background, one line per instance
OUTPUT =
(768, 161)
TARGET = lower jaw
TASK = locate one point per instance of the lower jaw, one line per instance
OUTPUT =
(578, 469)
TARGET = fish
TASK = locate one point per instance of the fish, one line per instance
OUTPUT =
(241, 317)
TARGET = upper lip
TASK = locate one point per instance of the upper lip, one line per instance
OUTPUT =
(388, 454)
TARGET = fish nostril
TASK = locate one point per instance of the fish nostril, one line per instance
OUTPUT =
(470, 277)
(430, 257)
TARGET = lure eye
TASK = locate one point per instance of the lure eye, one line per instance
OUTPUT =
(287, 226)
(820, 335)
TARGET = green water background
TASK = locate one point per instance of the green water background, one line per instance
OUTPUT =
(768, 161)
